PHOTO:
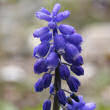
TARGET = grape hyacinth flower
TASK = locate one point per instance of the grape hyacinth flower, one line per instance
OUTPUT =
(57, 56)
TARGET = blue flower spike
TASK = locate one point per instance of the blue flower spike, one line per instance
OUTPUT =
(56, 56)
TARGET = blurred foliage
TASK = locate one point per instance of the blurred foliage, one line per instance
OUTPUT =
(39, 107)
(103, 107)
(102, 81)
(7, 106)
(83, 12)
(50, 3)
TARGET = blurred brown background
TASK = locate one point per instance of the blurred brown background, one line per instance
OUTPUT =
(91, 18)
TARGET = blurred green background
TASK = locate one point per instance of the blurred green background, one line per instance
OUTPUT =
(91, 18)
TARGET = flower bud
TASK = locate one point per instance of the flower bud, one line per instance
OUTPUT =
(75, 39)
(41, 50)
(59, 44)
(47, 105)
(71, 52)
(47, 78)
(78, 70)
(56, 9)
(52, 60)
(64, 71)
(40, 66)
(62, 15)
(61, 97)
(43, 10)
(78, 61)
(73, 83)
(66, 29)
(46, 37)
(40, 32)
(43, 16)
(39, 85)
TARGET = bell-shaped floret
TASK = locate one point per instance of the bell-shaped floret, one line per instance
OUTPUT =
(73, 83)
(78, 61)
(78, 70)
(59, 44)
(43, 10)
(52, 60)
(47, 78)
(89, 106)
(47, 105)
(61, 97)
(75, 39)
(43, 16)
(41, 31)
(46, 37)
(64, 71)
(78, 105)
(51, 89)
(41, 50)
(39, 85)
(62, 15)
(66, 29)
(40, 66)
(56, 9)
(71, 52)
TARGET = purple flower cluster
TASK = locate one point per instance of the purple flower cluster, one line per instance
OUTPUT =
(81, 105)
(59, 42)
